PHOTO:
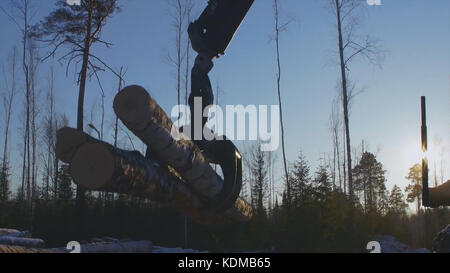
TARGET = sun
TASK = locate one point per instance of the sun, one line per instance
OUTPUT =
(413, 154)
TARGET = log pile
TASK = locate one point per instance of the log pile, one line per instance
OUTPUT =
(177, 171)
(104, 245)
(19, 238)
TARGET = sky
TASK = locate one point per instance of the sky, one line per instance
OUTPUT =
(414, 34)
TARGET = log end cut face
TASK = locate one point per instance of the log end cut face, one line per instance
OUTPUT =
(92, 166)
(68, 142)
(132, 105)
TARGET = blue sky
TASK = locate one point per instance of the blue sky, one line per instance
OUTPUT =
(414, 33)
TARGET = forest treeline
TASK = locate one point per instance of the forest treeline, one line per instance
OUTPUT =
(317, 218)
(337, 207)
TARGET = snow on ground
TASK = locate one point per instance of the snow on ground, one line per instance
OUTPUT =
(161, 249)
(387, 243)
(390, 245)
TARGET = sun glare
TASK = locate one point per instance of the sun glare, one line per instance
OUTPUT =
(413, 154)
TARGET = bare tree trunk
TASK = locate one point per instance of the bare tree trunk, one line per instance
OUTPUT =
(188, 64)
(80, 192)
(344, 161)
(116, 125)
(34, 110)
(277, 43)
(179, 30)
(8, 101)
(102, 121)
(55, 162)
(25, 65)
(345, 101)
(338, 156)
(50, 135)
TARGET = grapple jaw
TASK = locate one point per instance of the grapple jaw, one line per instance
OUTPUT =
(213, 31)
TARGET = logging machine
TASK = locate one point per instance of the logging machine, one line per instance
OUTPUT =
(440, 195)
(210, 36)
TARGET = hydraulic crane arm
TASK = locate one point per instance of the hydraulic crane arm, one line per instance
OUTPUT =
(210, 36)
(213, 31)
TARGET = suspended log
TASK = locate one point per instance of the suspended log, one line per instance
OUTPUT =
(142, 115)
(440, 195)
(100, 166)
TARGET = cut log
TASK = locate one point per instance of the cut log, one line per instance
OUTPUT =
(18, 234)
(144, 246)
(25, 242)
(103, 247)
(68, 142)
(142, 115)
(440, 195)
(100, 166)
(20, 249)
(7, 231)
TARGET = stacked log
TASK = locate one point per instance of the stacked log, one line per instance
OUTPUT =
(100, 166)
(177, 171)
(7, 231)
(100, 247)
(19, 238)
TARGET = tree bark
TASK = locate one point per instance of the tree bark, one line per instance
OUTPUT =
(277, 35)
(102, 247)
(80, 192)
(143, 116)
(97, 165)
(345, 101)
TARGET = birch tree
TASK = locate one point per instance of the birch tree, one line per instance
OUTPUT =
(280, 27)
(350, 46)
(10, 90)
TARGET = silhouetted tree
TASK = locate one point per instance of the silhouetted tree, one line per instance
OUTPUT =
(180, 13)
(5, 181)
(348, 47)
(259, 171)
(414, 189)
(10, 87)
(370, 179)
(65, 191)
(335, 125)
(300, 179)
(278, 29)
(77, 27)
(322, 187)
(397, 201)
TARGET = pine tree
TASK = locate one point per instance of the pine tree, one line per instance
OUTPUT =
(65, 191)
(369, 180)
(259, 187)
(5, 181)
(300, 178)
(322, 185)
(397, 203)
(414, 189)
(78, 27)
